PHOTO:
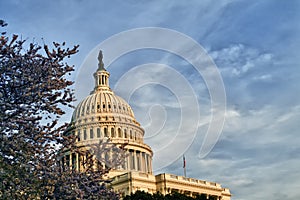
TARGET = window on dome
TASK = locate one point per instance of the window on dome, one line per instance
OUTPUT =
(125, 134)
(130, 134)
(109, 106)
(119, 133)
(98, 106)
(112, 133)
(98, 133)
(105, 132)
(91, 134)
(78, 135)
(84, 134)
(103, 106)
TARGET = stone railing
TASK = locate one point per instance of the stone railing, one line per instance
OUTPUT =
(192, 180)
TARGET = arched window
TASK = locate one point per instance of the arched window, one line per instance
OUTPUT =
(125, 133)
(98, 132)
(78, 135)
(130, 135)
(112, 132)
(91, 133)
(84, 134)
(119, 133)
(105, 132)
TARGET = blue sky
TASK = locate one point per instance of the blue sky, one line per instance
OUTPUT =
(255, 46)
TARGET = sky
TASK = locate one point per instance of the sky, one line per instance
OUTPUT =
(249, 63)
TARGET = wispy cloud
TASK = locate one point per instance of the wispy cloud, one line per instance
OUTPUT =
(238, 60)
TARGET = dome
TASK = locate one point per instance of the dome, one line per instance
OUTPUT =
(103, 115)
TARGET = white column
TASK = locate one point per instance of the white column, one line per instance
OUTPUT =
(138, 161)
(143, 163)
(150, 164)
(135, 160)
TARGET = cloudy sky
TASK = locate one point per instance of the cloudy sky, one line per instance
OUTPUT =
(254, 47)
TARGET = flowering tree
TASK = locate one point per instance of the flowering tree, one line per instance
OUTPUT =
(34, 91)
(89, 182)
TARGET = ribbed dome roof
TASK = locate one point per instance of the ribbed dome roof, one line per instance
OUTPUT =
(102, 101)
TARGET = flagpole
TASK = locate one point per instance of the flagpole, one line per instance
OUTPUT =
(184, 166)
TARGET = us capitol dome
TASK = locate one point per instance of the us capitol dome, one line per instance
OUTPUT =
(103, 115)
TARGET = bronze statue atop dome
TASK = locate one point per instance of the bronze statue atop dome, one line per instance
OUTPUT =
(100, 61)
